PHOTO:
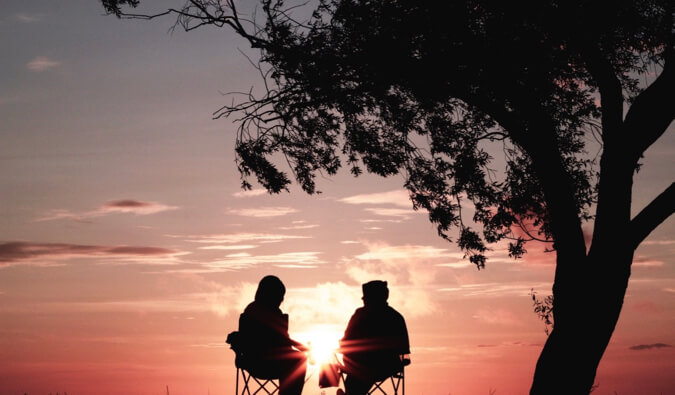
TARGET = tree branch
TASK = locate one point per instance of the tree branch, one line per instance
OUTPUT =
(653, 110)
(652, 216)
(651, 114)
(611, 96)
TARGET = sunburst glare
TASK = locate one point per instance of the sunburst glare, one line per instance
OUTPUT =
(323, 343)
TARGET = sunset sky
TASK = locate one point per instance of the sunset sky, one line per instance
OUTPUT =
(128, 250)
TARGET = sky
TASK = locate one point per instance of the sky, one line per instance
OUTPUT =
(128, 250)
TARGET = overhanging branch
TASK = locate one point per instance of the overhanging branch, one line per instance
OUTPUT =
(652, 111)
(652, 216)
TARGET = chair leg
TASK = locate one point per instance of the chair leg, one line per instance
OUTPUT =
(263, 386)
(397, 384)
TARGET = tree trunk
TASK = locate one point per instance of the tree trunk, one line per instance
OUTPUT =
(587, 308)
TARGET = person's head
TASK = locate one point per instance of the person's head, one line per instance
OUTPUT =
(270, 291)
(375, 292)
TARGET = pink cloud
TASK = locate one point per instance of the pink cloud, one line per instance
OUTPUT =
(644, 262)
(497, 316)
(251, 193)
(641, 347)
(136, 207)
(392, 212)
(244, 260)
(45, 253)
(42, 63)
(263, 212)
(27, 18)
(395, 197)
(235, 238)
(658, 242)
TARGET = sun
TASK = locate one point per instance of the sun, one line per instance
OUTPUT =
(323, 342)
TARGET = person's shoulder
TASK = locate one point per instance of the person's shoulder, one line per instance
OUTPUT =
(394, 312)
(251, 307)
(359, 312)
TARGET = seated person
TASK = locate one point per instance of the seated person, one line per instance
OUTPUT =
(374, 341)
(266, 348)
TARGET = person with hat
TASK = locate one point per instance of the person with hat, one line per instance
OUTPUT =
(374, 341)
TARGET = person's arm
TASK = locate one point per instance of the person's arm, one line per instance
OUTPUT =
(347, 342)
(405, 340)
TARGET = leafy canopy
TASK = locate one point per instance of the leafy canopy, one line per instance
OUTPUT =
(421, 88)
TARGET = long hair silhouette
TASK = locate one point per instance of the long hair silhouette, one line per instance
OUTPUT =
(270, 292)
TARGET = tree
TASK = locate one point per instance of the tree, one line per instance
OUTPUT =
(423, 88)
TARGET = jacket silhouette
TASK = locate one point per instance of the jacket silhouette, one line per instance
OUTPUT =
(267, 351)
(374, 341)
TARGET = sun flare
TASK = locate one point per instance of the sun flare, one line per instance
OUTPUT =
(323, 343)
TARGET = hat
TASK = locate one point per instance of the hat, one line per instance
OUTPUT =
(375, 291)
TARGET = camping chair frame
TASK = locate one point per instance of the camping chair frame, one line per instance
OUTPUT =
(397, 381)
(266, 386)
(269, 386)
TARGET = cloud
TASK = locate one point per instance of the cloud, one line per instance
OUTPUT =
(407, 268)
(263, 212)
(392, 212)
(396, 197)
(495, 289)
(497, 316)
(42, 63)
(27, 18)
(231, 299)
(16, 252)
(640, 347)
(234, 238)
(307, 306)
(658, 242)
(229, 247)
(244, 260)
(384, 252)
(250, 193)
(298, 227)
(644, 262)
(136, 207)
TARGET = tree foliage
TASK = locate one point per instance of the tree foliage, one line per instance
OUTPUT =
(419, 87)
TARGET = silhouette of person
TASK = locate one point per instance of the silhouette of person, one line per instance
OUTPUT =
(374, 340)
(269, 351)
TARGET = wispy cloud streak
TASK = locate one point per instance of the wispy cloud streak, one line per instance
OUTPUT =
(263, 212)
(16, 252)
(244, 260)
(42, 63)
(641, 347)
(128, 206)
(395, 197)
(235, 238)
(27, 18)
(250, 193)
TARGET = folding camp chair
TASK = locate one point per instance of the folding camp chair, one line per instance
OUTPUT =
(250, 384)
(395, 383)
